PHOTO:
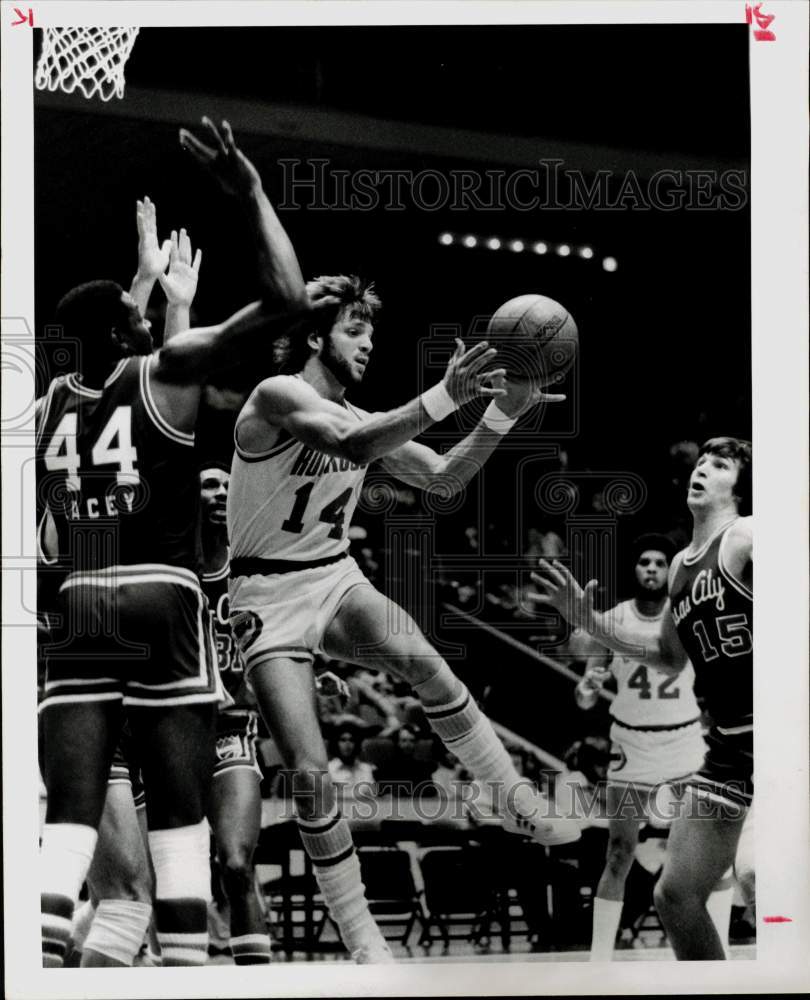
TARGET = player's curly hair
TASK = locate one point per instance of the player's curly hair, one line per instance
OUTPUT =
(358, 300)
(739, 450)
(87, 314)
(652, 541)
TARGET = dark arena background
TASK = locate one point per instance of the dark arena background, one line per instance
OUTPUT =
(606, 167)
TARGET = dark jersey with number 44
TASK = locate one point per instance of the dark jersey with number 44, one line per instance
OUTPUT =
(119, 481)
(714, 616)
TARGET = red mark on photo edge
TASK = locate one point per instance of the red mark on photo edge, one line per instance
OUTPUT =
(777, 920)
(762, 34)
(23, 18)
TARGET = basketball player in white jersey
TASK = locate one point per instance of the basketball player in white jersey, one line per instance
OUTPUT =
(656, 738)
(301, 455)
(710, 623)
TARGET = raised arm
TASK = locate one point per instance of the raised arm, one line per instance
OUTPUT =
(420, 466)
(180, 284)
(279, 273)
(192, 355)
(293, 405)
(560, 590)
(152, 257)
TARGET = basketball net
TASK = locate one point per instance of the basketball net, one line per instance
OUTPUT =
(92, 59)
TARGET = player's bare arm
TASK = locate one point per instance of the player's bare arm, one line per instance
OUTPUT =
(153, 257)
(738, 552)
(418, 465)
(560, 590)
(179, 284)
(279, 272)
(295, 406)
(190, 357)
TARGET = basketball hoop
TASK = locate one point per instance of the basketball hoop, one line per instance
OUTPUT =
(92, 59)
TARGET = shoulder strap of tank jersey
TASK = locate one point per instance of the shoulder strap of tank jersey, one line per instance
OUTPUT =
(354, 410)
(117, 371)
(690, 560)
(165, 428)
(738, 585)
(75, 385)
(45, 408)
(283, 442)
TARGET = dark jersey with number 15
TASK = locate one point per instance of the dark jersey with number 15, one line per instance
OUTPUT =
(714, 616)
(119, 480)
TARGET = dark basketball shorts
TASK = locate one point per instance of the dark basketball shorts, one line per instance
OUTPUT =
(236, 743)
(125, 768)
(727, 774)
(136, 634)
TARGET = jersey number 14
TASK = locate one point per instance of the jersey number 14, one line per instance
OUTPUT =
(333, 513)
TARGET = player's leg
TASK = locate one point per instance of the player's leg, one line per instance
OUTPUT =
(623, 829)
(701, 849)
(176, 746)
(235, 813)
(285, 691)
(78, 743)
(120, 881)
(370, 630)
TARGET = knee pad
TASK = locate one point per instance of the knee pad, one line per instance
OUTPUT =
(181, 859)
(118, 929)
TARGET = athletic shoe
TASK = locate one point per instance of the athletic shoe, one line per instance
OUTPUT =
(373, 953)
(546, 831)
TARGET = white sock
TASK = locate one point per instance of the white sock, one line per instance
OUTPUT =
(118, 929)
(67, 850)
(328, 842)
(468, 733)
(82, 921)
(719, 907)
(607, 914)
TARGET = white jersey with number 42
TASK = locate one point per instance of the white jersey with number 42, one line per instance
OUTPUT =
(646, 696)
(291, 502)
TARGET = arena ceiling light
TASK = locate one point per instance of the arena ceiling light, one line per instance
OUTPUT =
(517, 245)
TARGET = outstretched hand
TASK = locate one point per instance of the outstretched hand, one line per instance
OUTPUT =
(223, 159)
(523, 395)
(467, 376)
(180, 281)
(560, 590)
(152, 257)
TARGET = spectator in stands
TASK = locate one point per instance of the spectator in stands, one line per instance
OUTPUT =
(365, 704)
(346, 769)
(405, 771)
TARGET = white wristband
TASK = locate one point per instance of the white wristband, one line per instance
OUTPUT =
(496, 420)
(438, 402)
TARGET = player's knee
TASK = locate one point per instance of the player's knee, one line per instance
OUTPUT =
(620, 854)
(671, 895)
(237, 867)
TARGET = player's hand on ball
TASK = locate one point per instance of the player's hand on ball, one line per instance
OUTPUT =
(180, 281)
(467, 376)
(152, 257)
(560, 590)
(522, 395)
(228, 164)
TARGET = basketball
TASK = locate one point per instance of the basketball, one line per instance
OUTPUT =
(536, 338)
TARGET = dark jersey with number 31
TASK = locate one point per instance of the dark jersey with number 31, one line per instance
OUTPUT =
(714, 616)
(118, 479)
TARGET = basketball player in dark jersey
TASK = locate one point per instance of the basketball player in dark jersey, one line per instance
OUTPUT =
(711, 624)
(115, 467)
(235, 805)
